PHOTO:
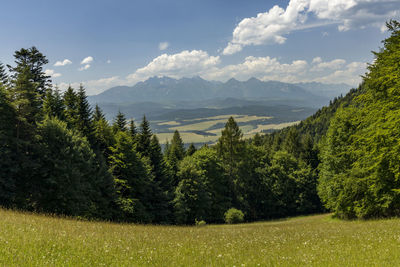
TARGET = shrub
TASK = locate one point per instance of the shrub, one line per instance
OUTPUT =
(200, 223)
(233, 216)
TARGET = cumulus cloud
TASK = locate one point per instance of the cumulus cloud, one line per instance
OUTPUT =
(63, 63)
(94, 87)
(185, 63)
(87, 60)
(52, 73)
(333, 64)
(274, 25)
(85, 67)
(163, 45)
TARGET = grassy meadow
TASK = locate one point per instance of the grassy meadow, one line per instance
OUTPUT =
(37, 240)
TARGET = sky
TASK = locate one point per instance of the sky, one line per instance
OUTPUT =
(106, 43)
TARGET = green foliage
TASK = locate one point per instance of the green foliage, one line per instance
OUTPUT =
(132, 178)
(234, 216)
(119, 124)
(359, 174)
(34, 61)
(8, 119)
(53, 104)
(69, 176)
(3, 75)
(192, 199)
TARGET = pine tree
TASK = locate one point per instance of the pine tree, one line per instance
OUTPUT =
(98, 114)
(34, 61)
(3, 75)
(231, 149)
(26, 101)
(163, 189)
(9, 158)
(70, 99)
(119, 124)
(53, 105)
(132, 178)
(177, 146)
(191, 150)
(132, 130)
(84, 122)
(144, 138)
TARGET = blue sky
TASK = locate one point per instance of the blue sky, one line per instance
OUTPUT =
(107, 43)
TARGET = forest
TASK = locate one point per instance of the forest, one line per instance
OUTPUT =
(59, 156)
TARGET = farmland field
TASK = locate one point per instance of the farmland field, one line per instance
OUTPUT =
(36, 240)
(208, 130)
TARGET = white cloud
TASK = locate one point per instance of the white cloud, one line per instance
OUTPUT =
(94, 87)
(185, 63)
(333, 65)
(87, 60)
(63, 63)
(51, 73)
(108, 61)
(316, 60)
(274, 25)
(85, 67)
(163, 45)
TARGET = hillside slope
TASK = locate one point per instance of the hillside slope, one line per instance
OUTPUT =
(28, 239)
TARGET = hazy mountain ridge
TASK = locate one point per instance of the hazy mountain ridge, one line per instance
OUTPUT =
(164, 89)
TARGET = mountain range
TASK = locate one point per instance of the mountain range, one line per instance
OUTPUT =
(160, 95)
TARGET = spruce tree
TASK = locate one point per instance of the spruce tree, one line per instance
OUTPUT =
(144, 138)
(119, 124)
(9, 158)
(3, 75)
(191, 150)
(84, 122)
(53, 105)
(98, 114)
(177, 146)
(34, 61)
(70, 99)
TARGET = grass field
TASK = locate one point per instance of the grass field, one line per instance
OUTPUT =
(191, 130)
(34, 240)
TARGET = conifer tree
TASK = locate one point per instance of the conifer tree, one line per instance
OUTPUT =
(144, 138)
(132, 130)
(34, 61)
(119, 124)
(70, 99)
(8, 156)
(84, 122)
(53, 105)
(3, 75)
(98, 114)
(191, 150)
(177, 147)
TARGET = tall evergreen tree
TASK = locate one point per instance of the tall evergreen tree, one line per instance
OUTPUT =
(34, 61)
(53, 105)
(98, 114)
(144, 138)
(191, 150)
(119, 124)
(84, 122)
(70, 99)
(3, 75)
(230, 148)
(9, 158)
(132, 178)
